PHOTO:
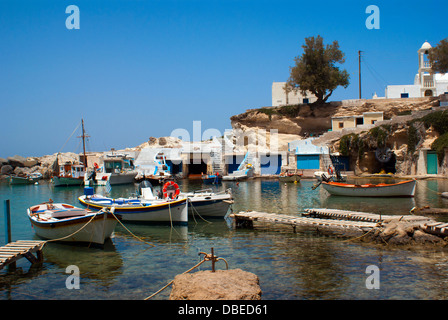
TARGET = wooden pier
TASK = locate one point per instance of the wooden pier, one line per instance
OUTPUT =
(247, 218)
(363, 216)
(339, 222)
(437, 228)
(14, 251)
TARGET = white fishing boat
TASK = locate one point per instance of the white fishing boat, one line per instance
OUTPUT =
(400, 189)
(116, 169)
(207, 203)
(145, 208)
(240, 174)
(64, 222)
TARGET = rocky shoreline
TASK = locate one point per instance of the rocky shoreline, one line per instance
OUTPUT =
(21, 166)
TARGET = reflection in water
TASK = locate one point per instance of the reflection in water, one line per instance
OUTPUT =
(303, 265)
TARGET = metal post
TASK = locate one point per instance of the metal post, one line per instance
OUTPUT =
(213, 261)
(7, 222)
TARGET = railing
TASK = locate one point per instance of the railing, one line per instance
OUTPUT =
(428, 84)
(426, 64)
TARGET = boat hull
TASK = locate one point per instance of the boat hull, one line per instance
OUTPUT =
(213, 206)
(113, 178)
(66, 181)
(212, 179)
(294, 178)
(22, 180)
(401, 189)
(93, 231)
(175, 211)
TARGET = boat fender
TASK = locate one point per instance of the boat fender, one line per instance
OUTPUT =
(170, 190)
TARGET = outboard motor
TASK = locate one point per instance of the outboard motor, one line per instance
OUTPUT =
(144, 189)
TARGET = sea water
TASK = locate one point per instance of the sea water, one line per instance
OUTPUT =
(302, 265)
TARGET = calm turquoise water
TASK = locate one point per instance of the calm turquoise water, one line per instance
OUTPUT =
(290, 266)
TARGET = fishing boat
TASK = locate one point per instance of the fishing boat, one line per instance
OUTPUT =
(240, 174)
(71, 174)
(400, 189)
(290, 176)
(146, 208)
(212, 178)
(207, 203)
(31, 178)
(116, 169)
(158, 173)
(64, 222)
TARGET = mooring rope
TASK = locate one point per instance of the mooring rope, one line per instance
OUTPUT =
(171, 282)
(191, 202)
(72, 234)
(91, 219)
(207, 257)
(138, 238)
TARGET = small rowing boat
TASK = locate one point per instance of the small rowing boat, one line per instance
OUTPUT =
(64, 222)
(400, 189)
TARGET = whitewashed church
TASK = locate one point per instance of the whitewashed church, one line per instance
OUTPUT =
(426, 84)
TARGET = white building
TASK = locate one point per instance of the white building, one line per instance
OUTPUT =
(281, 97)
(426, 84)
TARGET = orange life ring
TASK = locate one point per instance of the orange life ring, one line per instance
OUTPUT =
(170, 190)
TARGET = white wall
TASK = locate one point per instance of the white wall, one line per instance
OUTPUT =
(279, 96)
(395, 91)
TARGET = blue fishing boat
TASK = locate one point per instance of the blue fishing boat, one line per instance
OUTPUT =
(147, 208)
(212, 178)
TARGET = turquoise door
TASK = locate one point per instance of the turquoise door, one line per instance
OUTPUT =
(431, 162)
(309, 161)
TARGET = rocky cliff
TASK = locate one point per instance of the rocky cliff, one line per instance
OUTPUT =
(309, 119)
(403, 133)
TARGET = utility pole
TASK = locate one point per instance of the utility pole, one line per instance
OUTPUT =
(359, 72)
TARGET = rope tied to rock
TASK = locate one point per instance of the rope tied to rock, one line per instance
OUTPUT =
(207, 257)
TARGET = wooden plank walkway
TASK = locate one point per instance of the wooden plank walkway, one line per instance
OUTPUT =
(242, 219)
(14, 251)
(437, 228)
(362, 216)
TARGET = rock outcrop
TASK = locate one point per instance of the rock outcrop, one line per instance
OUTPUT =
(234, 284)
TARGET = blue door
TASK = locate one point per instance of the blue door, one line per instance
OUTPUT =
(309, 161)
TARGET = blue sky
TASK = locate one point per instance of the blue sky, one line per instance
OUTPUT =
(137, 69)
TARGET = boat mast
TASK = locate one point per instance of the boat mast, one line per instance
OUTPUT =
(83, 136)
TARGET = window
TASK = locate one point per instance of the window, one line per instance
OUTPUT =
(306, 100)
(359, 121)
(341, 124)
(372, 121)
(405, 95)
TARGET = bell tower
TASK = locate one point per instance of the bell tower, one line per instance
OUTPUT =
(425, 75)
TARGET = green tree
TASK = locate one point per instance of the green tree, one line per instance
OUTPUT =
(316, 71)
(438, 57)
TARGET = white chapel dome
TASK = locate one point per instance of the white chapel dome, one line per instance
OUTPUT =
(426, 45)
